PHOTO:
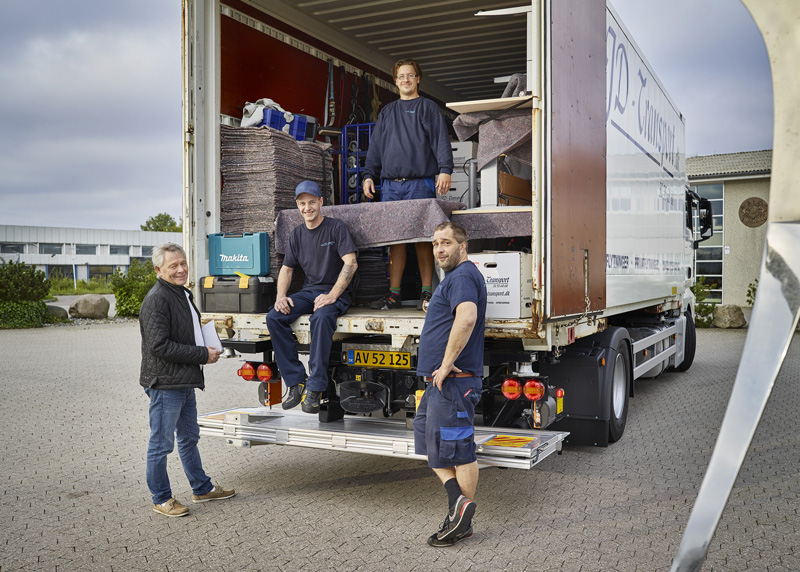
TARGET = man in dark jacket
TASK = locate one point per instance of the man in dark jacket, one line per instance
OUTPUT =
(172, 353)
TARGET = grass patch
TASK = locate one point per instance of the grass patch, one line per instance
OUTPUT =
(61, 286)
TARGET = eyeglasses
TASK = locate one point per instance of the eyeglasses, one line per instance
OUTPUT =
(404, 76)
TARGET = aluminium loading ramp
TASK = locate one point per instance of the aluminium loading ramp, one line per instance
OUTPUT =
(245, 427)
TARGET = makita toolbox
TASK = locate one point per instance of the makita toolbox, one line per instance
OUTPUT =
(237, 294)
(247, 253)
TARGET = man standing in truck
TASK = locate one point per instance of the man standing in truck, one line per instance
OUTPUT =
(324, 250)
(410, 149)
(451, 361)
(172, 353)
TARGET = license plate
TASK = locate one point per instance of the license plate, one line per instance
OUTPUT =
(364, 358)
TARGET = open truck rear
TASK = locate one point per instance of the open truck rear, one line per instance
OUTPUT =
(591, 270)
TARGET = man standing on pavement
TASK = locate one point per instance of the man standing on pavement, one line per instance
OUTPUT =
(409, 147)
(172, 353)
(451, 361)
(324, 250)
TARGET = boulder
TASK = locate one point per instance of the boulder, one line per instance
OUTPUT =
(91, 306)
(728, 316)
(57, 312)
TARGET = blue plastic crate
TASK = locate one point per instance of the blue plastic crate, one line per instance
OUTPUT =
(273, 118)
(297, 127)
(247, 253)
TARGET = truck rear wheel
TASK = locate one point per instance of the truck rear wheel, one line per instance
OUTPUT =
(620, 390)
(689, 343)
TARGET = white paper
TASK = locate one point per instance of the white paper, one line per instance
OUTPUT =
(210, 337)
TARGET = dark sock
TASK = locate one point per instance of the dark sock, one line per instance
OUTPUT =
(453, 492)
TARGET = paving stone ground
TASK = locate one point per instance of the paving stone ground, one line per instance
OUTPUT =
(73, 496)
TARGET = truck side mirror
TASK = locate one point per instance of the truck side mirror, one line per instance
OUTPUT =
(706, 220)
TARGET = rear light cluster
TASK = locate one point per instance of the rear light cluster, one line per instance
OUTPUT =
(260, 372)
(532, 389)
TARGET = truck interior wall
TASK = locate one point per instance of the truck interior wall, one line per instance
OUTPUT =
(255, 65)
(578, 151)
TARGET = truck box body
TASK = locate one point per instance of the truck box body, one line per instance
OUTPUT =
(609, 245)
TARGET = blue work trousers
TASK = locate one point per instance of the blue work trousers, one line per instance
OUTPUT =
(323, 325)
(174, 412)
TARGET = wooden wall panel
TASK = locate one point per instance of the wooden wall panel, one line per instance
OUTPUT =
(578, 168)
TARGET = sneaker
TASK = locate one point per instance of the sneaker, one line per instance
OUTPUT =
(294, 396)
(433, 539)
(172, 508)
(217, 493)
(459, 521)
(311, 402)
(424, 298)
(390, 301)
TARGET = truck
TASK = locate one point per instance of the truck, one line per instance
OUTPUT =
(590, 290)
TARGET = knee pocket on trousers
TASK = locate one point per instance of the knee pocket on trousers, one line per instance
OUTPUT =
(457, 444)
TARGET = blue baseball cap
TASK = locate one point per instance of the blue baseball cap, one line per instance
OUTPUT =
(309, 187)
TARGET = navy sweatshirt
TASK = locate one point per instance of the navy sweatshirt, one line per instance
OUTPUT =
(409, 140)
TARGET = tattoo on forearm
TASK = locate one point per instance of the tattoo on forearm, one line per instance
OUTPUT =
(346, 274)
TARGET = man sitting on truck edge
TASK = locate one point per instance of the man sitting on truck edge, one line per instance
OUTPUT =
(324, 250)
(408, 148)
(451, 361)
(172, 353)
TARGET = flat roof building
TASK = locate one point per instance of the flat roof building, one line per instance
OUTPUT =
(79, 253)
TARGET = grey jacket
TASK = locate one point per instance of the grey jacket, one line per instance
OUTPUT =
(170, 358)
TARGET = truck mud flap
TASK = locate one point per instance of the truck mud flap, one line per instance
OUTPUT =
(246, 427)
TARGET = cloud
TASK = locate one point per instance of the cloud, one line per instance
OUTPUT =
(91, 113)
(711, 59)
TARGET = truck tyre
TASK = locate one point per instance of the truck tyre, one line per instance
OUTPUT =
(690, 344)
(620, 390)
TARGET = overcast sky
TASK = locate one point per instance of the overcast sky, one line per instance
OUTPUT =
(90, 104)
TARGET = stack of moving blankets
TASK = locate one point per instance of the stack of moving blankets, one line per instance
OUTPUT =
(260, 169)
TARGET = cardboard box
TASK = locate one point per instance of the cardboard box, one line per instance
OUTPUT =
(247, 253)
(235, 294)
(509, 283)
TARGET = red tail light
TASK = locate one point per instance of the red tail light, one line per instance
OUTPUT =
(559, 393)
(247, 372)
(264, 372)
(533, 390)
(511, 388)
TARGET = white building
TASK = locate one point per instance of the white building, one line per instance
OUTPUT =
(79, 253)
(737, 184)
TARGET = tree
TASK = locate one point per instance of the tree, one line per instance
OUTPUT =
(162, 222)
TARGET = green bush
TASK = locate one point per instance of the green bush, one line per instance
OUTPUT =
(751, 292)
(23, 314)
(130, 290)
(22, 283)
(63, 286)
(704, 311)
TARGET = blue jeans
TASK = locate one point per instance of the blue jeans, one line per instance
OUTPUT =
(174, 411)
(392, 190)
(323, 325)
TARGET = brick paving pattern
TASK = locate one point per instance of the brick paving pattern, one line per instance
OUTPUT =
(73, 496)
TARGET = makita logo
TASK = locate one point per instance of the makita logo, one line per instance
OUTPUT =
(500, 281)
(234, 258)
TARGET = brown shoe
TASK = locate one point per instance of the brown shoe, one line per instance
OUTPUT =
(217, 493)
(172, 508)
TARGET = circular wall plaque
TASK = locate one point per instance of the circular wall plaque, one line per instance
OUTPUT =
(753, 212)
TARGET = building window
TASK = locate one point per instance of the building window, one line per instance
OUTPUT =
(90, 249)
(708, 260)
(117, 249)
(147, 251)
(50, 248)
(12, 248)
(60, 271)
(100, 272)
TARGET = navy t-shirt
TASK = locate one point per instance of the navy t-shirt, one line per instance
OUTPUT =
(410, 140)
(464, 283)
(319, 251)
